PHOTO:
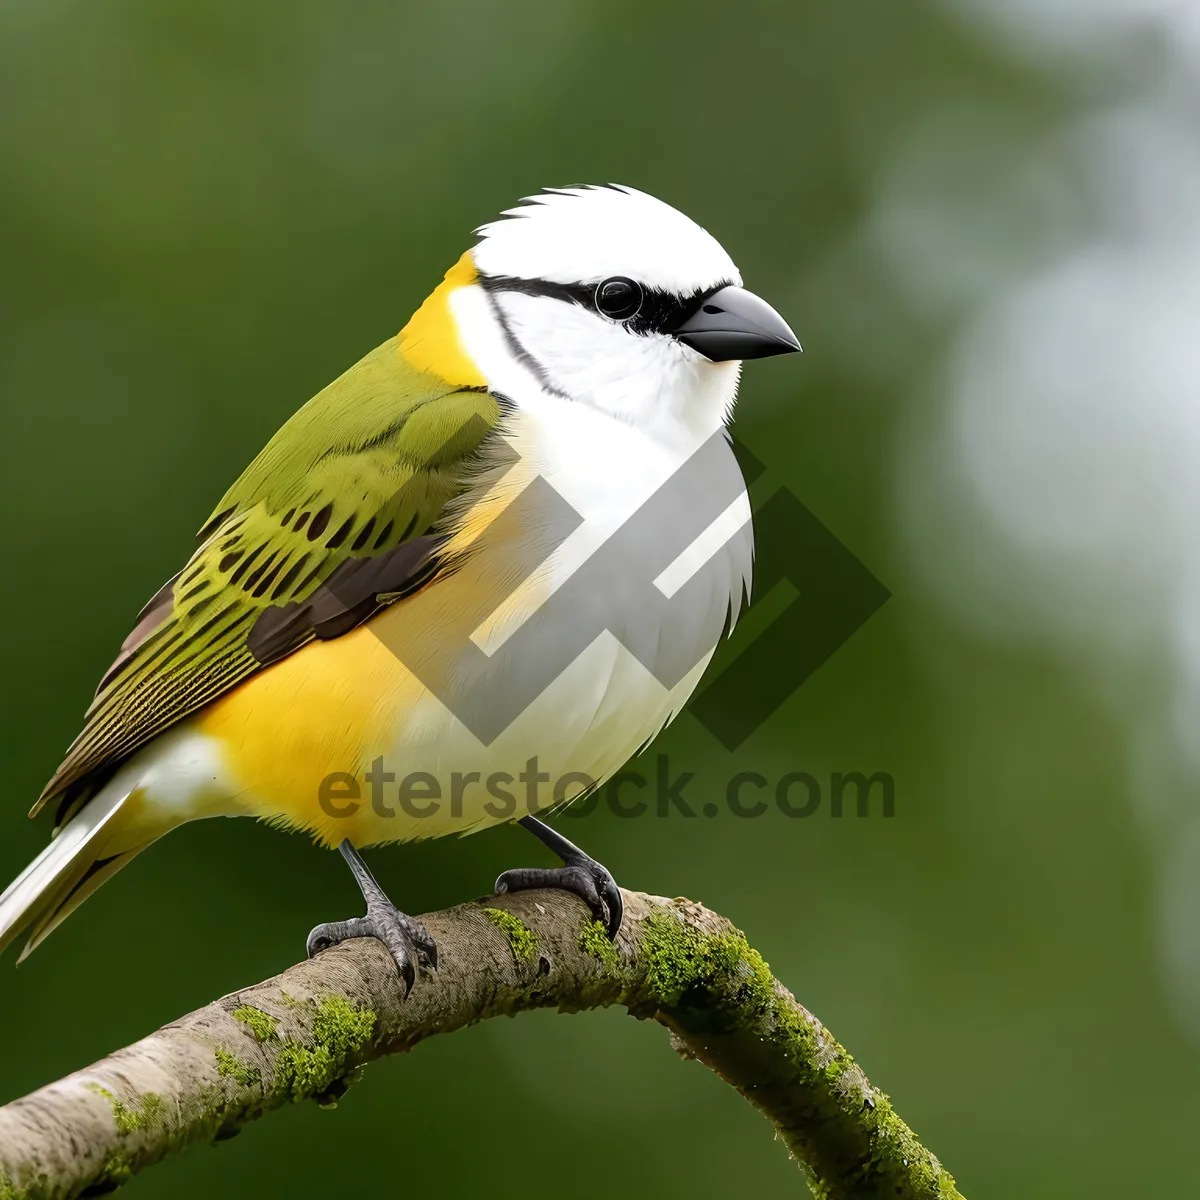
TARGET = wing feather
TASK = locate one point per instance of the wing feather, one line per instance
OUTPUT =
(337, 517)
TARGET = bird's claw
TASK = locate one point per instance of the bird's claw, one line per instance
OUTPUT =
(406, 940)
(591, 881)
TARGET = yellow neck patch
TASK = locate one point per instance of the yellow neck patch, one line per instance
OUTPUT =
(430, 341)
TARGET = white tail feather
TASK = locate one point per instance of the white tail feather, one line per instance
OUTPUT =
(41, 887)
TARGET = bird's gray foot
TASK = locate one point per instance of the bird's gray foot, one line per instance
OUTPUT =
(591, 881)
(407, 941)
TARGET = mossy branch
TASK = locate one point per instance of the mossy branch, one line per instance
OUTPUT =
(307, 1032)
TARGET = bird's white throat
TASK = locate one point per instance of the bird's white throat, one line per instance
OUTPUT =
(543, 355)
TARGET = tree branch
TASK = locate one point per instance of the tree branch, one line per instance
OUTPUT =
(305, 1033)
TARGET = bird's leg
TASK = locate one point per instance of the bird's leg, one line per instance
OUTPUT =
(579, 873)
(404, 938)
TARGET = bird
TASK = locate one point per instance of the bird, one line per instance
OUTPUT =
(405, 619)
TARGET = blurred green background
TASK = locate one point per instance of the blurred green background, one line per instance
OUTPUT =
(211, 210)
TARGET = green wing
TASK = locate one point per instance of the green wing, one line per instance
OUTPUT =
(332, 521)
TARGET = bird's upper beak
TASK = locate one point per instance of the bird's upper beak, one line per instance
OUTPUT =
(735, 323)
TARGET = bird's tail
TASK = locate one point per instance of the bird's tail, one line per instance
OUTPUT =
(87, 850)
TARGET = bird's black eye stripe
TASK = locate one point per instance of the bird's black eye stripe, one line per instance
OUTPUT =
(574, 293)
(658, 311)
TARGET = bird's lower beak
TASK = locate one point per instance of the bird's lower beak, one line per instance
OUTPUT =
(734, 323)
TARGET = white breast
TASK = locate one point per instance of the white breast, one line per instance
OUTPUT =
(606, 700)
(601, 706)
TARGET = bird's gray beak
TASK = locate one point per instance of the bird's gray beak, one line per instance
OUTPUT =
(734, 323)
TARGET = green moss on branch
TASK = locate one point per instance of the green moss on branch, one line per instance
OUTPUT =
(595, 942)
(207, 1075)
(10, 1191)
(129, 1117)
(336, 1044)
(719, 997)
(260, 1023)
(521, 939)
(229, 1066)
(682, 961)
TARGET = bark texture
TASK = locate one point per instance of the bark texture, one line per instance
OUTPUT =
(305, 1034)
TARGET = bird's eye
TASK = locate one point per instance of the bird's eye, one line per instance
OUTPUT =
(619, 298)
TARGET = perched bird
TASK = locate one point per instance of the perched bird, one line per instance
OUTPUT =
(367, 646)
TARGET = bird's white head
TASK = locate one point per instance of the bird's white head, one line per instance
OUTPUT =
(589, 234)
(602, 296)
